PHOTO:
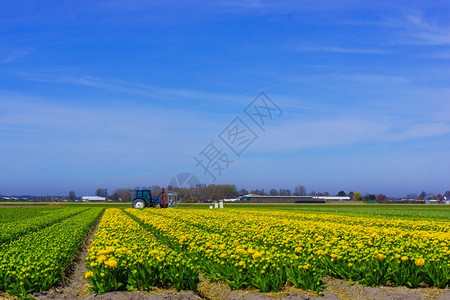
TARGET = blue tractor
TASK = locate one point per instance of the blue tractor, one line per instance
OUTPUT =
(143, 198)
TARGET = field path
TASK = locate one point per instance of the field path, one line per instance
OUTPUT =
(74, 285)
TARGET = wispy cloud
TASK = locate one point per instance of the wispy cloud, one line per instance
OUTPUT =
(376, 78)
(419, 31)
(136, 88)
(245, 3)
(337, 49)
(31, 124)
(335, 132)
(16, 55)
(444, 54)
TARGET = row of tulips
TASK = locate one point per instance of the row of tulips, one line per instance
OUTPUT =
(126, 256)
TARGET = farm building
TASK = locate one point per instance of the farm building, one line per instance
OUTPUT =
(281, 199)
(333, 198)
(92, 199)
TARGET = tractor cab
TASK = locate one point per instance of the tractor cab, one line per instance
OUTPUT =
(144, 194)
(143, 198)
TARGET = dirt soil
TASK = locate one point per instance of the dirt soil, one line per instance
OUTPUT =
(336, 289)
(78, 288)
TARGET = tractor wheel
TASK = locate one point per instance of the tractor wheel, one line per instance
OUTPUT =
(138, 203)
(157, 205)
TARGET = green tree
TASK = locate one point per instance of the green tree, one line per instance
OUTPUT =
(341, 194)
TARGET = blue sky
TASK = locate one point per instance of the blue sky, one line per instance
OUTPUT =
(126, 93)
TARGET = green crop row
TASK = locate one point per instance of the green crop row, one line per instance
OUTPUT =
(36, 261)
(14, 214)
(12, 230)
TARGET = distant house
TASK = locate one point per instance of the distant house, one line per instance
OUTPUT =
(14, 199)
(93, 199)
(431, 201)
(231, 199)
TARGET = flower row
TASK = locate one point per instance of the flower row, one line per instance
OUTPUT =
(126, 256)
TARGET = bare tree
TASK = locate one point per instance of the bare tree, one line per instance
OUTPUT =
(422, 195)
(300, 190)
(72, 196)
(101, 192)
(243, 192)
(123, 194)
(273, 192)
(380, 198)
(411, 196)
(284, 192)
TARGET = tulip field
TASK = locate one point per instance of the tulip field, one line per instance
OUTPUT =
(264, 249)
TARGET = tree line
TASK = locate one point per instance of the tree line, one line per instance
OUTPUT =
(203, 192)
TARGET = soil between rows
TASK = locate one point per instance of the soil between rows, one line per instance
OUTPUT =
(336, 289)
